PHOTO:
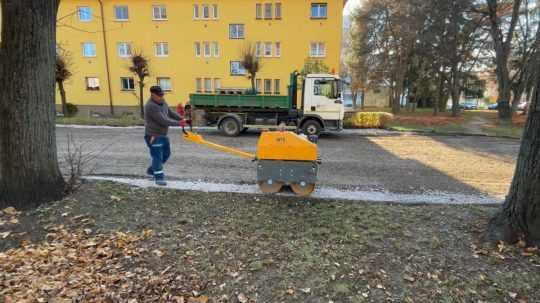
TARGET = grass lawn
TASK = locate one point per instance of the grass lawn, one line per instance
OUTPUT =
(122, 120)
(470, 122)
(121, 243)
(496, 128)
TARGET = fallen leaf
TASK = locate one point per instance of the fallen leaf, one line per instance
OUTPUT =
(147, 233)
(10, 211)
(501, 247)
(242, 298)
(532, 249)
(5, 234)
(178, 299)
(290, 291)
(14, 221)
(158, 253)
(512, 295)
(115, 198)
(305, 290)
(201, 299)
(408, 278)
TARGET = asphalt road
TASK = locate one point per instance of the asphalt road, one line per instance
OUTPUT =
(392, 162)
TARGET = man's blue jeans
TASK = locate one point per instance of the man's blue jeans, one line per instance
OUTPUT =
(160, 151)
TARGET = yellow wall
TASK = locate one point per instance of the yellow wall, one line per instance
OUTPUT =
(294, 31)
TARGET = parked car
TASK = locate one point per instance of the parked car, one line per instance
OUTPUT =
(469, 105)
(493, 106)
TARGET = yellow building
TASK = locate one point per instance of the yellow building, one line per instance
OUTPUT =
(192, 45)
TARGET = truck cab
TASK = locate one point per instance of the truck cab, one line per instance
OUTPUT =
(322, 104)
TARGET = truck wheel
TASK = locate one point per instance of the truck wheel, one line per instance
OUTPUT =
(230, 127)
(311, 128)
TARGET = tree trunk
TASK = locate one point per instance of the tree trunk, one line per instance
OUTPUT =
(63, 97)
(517, 94)
(436, 107)
(396, 106)
(505, 112)
(141, 97)
(29, 172)
(520, 214)
(253, 84)
(354, 95)
(502, 49)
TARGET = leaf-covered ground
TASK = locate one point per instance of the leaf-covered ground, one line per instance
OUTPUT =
(114, 243)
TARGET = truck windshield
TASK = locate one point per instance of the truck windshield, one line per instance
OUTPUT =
(330, 88)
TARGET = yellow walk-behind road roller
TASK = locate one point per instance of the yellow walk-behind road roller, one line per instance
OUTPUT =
(283, 158)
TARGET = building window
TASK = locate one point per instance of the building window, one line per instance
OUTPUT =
(205, 11)
(215, 49)
(277, 87)
(197, 49)
(85, 14)
(207, 49)
(164, 83)
(127, 83)
(236, 31)
(198, 85)
(319, 10)
(162, 49)
(258, 83)
(277, 14)
(121, 13)
(258, 49)
(268, 11)
(215, 11)
(237, 69)
(278, 49)
(268, 49)
(92, 83)
(195, 11)
(159, 12)
(207, 85)
(267, 86)
(217, 84)
(258, 11)
(89, 49)
(317, 49)
(124, 49)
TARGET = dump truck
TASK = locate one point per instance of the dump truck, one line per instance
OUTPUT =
(320, 107)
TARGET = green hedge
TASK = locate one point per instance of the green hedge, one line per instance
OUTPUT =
(368, 120)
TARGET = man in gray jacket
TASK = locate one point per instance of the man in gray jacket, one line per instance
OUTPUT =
(157, 119)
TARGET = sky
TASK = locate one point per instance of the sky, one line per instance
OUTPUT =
(351, 4)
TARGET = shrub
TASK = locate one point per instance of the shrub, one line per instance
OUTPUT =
(369, 120)
(71, 109)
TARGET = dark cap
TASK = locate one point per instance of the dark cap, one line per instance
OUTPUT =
(156, 90)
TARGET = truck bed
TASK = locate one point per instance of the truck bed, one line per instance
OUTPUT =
(240, 101)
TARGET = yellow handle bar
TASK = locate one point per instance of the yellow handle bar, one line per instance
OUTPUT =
(196, 138)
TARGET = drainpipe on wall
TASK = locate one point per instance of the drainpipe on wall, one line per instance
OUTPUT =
(106, 56)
